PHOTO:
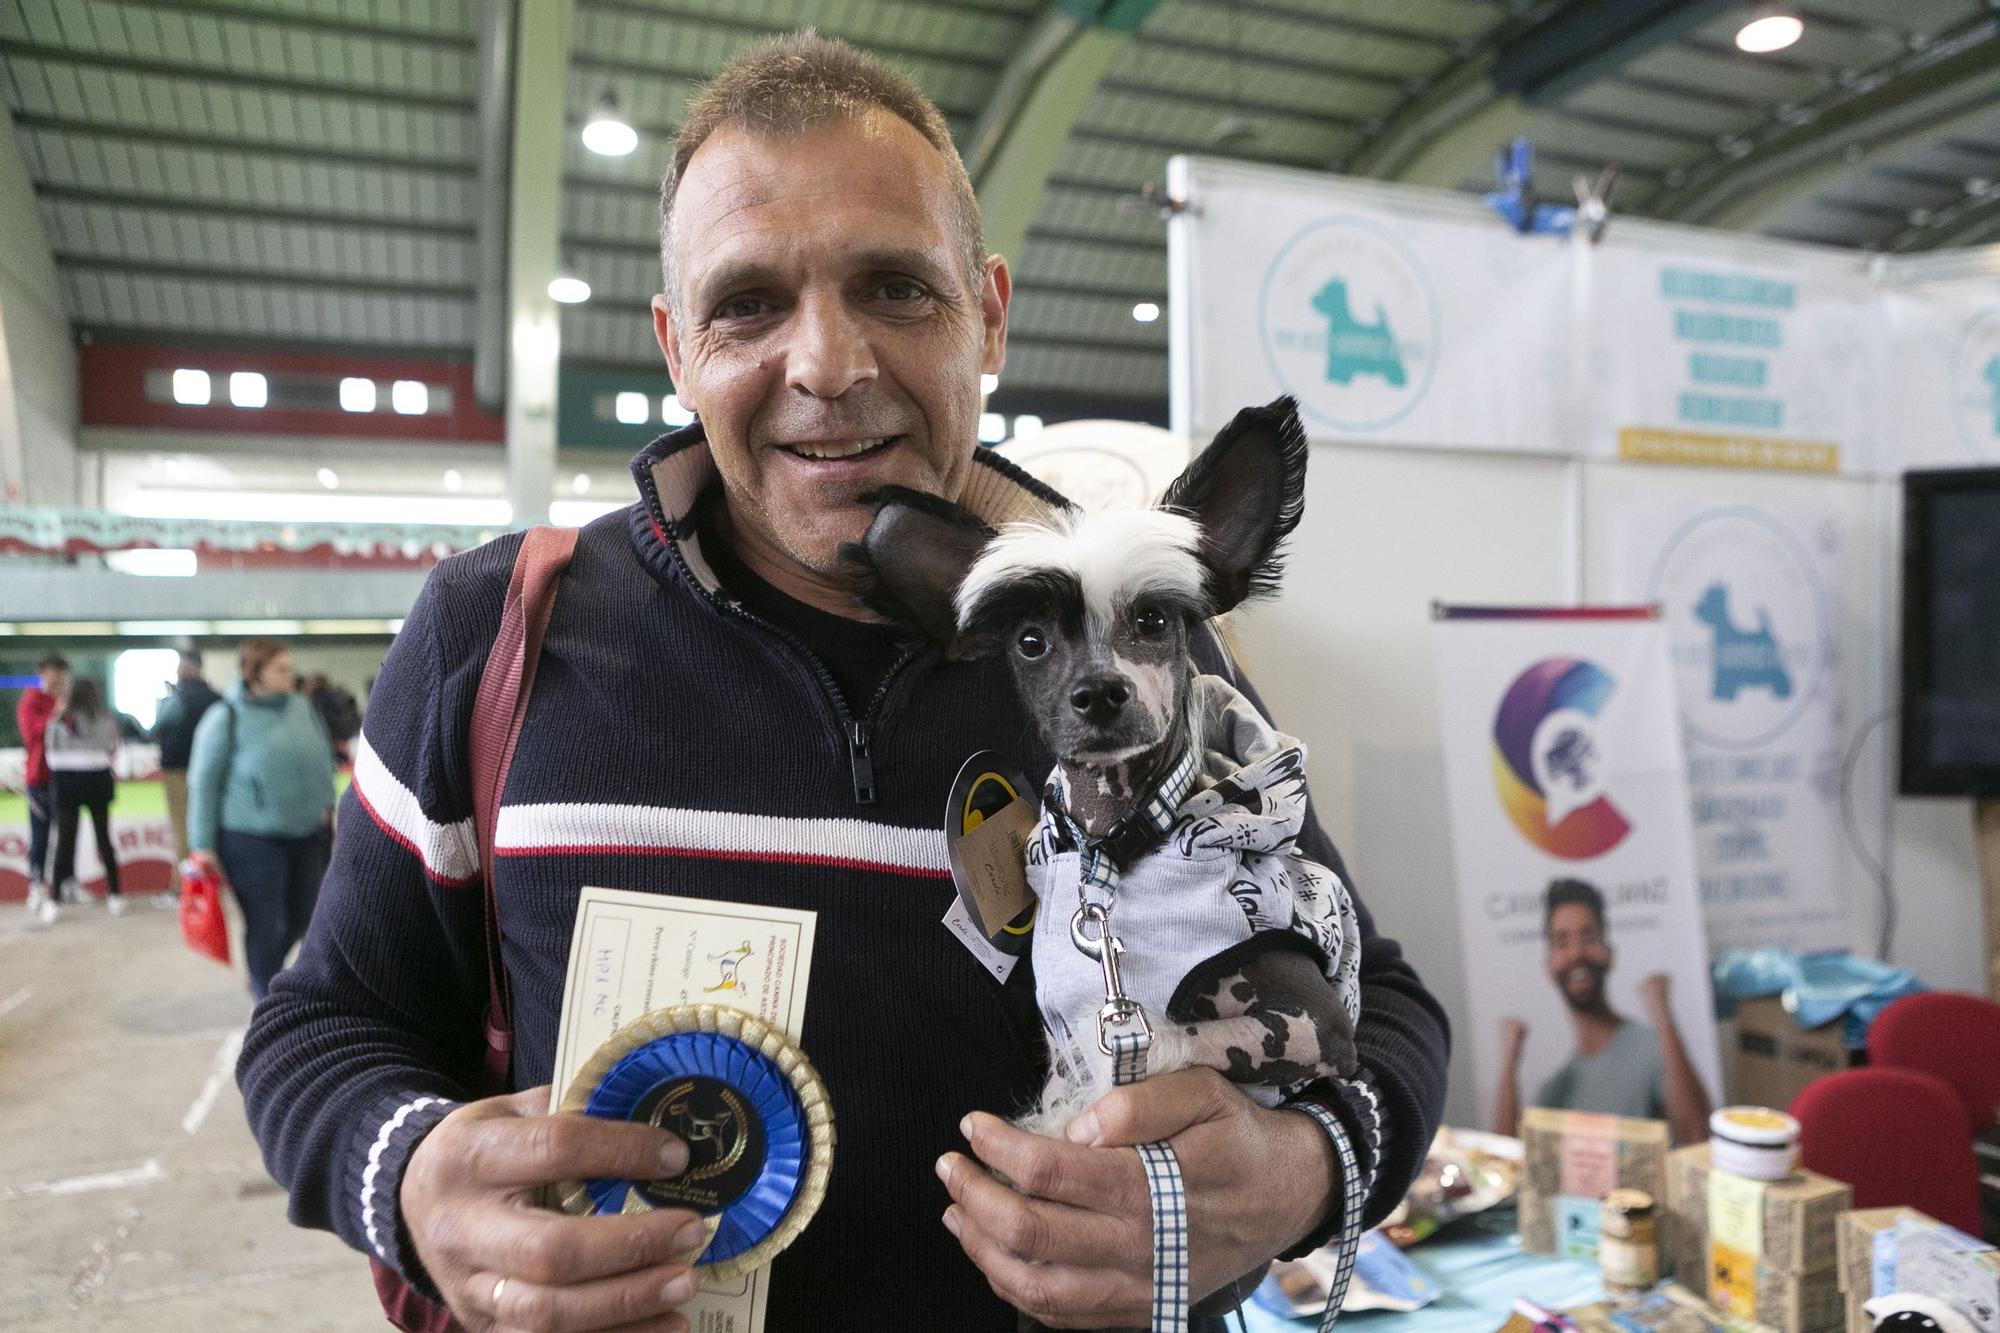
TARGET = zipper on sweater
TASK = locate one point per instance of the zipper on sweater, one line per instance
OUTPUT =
(859, 733)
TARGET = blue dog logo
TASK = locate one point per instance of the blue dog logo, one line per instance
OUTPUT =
(1354, 348)
(1992, 374)
(1744, 659)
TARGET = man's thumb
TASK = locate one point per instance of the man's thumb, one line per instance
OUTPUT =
(1152, 1111)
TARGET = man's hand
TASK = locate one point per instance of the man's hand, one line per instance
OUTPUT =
(1072, 1245)
(468, 1201)
(1656, 996)
(1513, 1040)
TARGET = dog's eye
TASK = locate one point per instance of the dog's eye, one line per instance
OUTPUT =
(1151, 621)
(1031, 643)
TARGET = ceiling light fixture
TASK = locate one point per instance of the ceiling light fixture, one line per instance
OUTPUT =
(632, 408)
(567, 286)
(357, 395)
(1773, 32)
(607, 133)
(328, 478)
(454, 481)
(247, 388)
(191, 388)
(412, 398)
(1145, 312)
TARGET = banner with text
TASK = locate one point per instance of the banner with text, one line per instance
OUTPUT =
(1419, 317)
(1747, 595)
(1575, 862)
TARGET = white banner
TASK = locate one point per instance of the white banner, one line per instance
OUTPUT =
(1387, 317)
(1419, 317)
(1747, 594)
(1575, 863)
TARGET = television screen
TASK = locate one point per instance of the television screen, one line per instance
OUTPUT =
(1951, 633)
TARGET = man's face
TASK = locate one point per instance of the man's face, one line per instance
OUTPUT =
(55, 681)
(1578, 958)
(824, 307)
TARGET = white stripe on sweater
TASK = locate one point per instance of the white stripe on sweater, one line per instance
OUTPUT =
(450, 852)
(374, 1167)
(650, 829)
(78, 761)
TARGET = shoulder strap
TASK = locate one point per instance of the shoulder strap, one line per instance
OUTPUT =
(497, 712)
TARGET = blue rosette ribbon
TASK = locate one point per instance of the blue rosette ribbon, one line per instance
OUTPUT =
(750, 1107)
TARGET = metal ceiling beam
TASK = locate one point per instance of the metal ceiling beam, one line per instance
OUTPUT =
(1952, 82)
(1975, 222)
(223, 143)
(294, 20)
(233, 78)
(1041, 93)
(1452, 130)
(534, 223)
(681, 18)
(38, 388)
(496, 128)
(208, 275)
(234, 212)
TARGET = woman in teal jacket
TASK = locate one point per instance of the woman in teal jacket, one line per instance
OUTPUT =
(260, 804)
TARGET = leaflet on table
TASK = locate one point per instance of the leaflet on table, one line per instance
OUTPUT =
(636, 952)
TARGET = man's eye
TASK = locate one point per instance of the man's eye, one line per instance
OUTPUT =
(1151, 621)
(1031, 644)
(901, 289)
(739, 307)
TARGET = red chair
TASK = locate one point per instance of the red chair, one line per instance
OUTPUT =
(1898, 1136)
(1949, 1036)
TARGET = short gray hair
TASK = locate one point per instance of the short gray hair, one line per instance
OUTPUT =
(797, 82)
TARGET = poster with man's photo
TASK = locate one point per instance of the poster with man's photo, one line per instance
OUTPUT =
(1586, 976)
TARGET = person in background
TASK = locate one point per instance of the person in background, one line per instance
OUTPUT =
(38, 704)
(340, 713)
(173, 731)
(260, 801)
(81, 742)
(1619, 1067)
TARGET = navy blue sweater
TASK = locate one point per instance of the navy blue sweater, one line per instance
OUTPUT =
(675, 744)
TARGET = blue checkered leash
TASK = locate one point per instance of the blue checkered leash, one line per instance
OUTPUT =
(1122, 1030)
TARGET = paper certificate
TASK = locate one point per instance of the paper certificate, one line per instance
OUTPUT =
(635, 952)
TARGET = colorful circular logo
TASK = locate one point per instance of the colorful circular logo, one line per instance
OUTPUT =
(1546, 761)
(1349, 324)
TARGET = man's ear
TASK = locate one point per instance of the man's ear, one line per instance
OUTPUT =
(909, 563)
(1246, 491)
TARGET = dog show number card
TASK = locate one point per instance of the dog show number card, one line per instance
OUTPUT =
(633, 953)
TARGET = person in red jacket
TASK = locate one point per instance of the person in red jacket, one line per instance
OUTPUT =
(37, 706)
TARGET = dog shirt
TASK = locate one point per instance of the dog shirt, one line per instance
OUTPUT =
(1227, 880)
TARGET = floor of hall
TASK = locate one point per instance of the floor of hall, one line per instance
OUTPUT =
(132, 1196)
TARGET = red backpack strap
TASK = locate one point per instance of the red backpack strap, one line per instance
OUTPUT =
(497, 712)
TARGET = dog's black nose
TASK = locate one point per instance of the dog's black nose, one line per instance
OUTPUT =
(1099, 698)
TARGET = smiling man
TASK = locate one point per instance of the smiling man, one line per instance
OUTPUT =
(714, 716)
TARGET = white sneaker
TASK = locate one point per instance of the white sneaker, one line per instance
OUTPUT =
(37, 895)
(44, 913)
(114, 903)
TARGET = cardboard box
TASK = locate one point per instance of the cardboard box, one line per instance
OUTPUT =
(1788, 1302)
(1787, 1225)
(1854, 1245)
(1573, 1160)
(1776, 1058)
(1858, 1319)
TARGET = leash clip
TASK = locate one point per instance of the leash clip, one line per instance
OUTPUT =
(1120, 1010)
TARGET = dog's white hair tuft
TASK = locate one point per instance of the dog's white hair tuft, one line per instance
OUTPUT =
(1117, 557)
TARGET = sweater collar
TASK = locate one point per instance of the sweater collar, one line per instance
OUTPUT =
(676, 470)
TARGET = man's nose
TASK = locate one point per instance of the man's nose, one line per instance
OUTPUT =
(1099, 699)
(829, 353)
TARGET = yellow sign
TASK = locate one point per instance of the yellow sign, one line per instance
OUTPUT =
(1643, 444)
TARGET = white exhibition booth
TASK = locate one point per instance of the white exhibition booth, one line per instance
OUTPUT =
(1536, 420)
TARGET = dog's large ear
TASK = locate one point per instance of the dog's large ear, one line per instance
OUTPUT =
(909, 563)
(1247, 491)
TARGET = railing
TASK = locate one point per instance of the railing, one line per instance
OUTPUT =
(67, 534)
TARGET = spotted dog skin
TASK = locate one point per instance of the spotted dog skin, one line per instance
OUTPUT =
(1273, 1022)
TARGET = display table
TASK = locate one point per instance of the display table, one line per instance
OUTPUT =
(1481, 1267)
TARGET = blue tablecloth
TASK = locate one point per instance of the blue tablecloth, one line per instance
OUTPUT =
(1482, 1268)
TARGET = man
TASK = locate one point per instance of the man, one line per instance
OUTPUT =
(38, 704)
(714, 718)
(173, 731)
(1619, 1067)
